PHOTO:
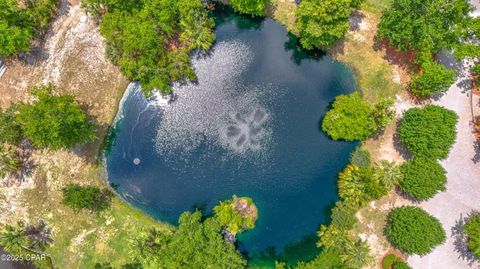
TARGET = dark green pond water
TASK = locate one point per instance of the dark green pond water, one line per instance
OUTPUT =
(250, 127)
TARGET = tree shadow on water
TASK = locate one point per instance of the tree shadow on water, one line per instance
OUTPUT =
(299, 53)
(460, 240)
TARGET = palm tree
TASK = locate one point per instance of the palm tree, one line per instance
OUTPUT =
(39, 235)
(388, 173)
(9, 163)
(13, 238)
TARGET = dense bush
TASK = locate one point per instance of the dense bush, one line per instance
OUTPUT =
(322, 23)
(428, 132)
(250, 7)
(413, 230)
(195, 244)
(361, 157)
(327, 259)
(423, 178)
(20, 24)
(349, 119)
(401, 265)
(425, 25)
(359, 185)
(10, 128)
(434, 79)
(54, 121)
(92, 198)
(472, 232)
(151, 40)
(389, 260)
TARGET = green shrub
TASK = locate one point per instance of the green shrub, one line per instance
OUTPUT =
(383, 113)
(389, 260)
(428, 132)
(413, 230)
(358, 186)
(388, 173)
(92, 198)
(349, 119)
(472, 232)
(327, 259)
(401, 265)
(361, 157)
(237, 214)
(434, 79)
(9, 161)
(54, 122)
(343, 216)
(250, 7)
(423, 178)
(10, 128)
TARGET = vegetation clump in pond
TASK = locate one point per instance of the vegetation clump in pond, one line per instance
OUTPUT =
(151, 40)
(237, 214)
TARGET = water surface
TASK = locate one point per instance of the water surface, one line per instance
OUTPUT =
(249, 127)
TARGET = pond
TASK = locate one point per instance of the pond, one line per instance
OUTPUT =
(249, 126)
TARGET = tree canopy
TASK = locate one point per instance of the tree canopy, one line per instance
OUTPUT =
(237, 214)
(413, 230)
(428, 132)
(434, 79)
(472, 232)
(20, 24)
(196, 244)
(54, 121)
(78, 197)
(322, 23)
(151, 40)
(10, 128)
(250, 7)
(423, 178)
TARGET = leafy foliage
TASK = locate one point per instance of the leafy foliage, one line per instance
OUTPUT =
(472, 231)
(250, 7)
(425, 25)
(383, 112)
(237, 214)
(10, 128)
(401, 265)
(92, 198)
(349, 119)
(388, 173)
(322, 23)
(389, 260)
(196, 244)
(20, 24)
(413, 230)
(428, 132)
(361, 157)
(151, 40)
(327, 259)
(434, 79)
(423, 178)
(343, 216)
(359, 185)
(26, 237)
(9, 161)
(54, 121)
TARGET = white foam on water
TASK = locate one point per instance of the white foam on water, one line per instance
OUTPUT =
(218, 109)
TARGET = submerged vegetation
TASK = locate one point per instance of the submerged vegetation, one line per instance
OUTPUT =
(151, 40)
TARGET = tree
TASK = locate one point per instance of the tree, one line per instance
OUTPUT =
(196, 244)
(327, 259)
(425, 25)
(151, 41)
(383, 112)
(89, 197)
(358, 185)
(33, 238)
(428, 132)
(250, 7)
(349, 119)
(413, 230)
(433, 79)
(343, 216)
(422, 178)
(12, 238)
(53, 121)
(20, 24)
(9, 162)
(322, 23)
(361, 157)
(472, 232)
(10, 128)
(388, 173)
